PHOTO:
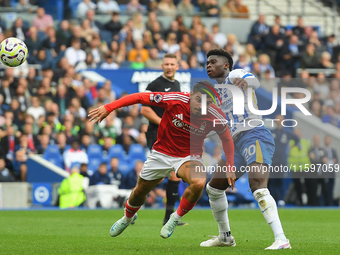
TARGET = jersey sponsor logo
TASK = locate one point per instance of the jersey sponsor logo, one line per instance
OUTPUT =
(180, 116)
(193, 130)
(167, 89)
(158, 98)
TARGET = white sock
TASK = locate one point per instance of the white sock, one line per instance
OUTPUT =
(219, 206)
(177, 216)
(268, 208)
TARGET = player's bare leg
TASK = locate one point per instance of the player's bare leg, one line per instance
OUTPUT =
(219, 206)
(191, 173)
(171, 197)
(258, 180)
(136, 200)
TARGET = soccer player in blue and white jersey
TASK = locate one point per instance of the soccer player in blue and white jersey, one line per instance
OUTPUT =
(254, 147)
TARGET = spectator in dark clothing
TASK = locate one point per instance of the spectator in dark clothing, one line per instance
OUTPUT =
(209, 8)
(299, 30)
(309, 58)
(277, 21)
(5, 174)
(281, 137)
(316, 155)
(52, 43)
(100, 177)
(43, 60)
(291, 54)
(18, 30)
(76, 34)
(7, 92)
(114, 25)
(116, 177)
(32, 43)
(107, 140)
(84, 101)
(83, 170)
(44, 142)
(5, 3)
(62, 98)
(61, 142)
(258, 31)
(95, 25)
(131, 178)
(64, 34)
(330, 160)
(273, 44)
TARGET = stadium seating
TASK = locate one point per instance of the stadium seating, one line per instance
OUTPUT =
(53, 155)
(117, 151)
(95, 155)
(136, 151)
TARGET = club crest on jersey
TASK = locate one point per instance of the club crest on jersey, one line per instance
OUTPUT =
(157, 98)
(203, 125)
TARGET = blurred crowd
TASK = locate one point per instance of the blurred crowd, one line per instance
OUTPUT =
(49, 106)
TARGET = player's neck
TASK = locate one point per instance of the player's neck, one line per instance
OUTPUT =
(169, 79)
(221, 79)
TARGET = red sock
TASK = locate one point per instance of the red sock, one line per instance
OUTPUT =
(130, 210)
(184, 207)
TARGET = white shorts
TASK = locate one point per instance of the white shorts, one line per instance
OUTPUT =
(159, 165)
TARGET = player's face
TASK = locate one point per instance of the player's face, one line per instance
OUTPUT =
(216, 67)
(196, 103)
(170, 66)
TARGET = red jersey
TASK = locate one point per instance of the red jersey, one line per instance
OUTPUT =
(181, 134)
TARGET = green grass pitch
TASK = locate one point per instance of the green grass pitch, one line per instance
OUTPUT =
(87, 232)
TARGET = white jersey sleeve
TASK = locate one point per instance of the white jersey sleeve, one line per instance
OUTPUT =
(251, 79)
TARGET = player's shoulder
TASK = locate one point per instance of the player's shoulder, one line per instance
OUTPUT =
(215, 112)
(238, 73)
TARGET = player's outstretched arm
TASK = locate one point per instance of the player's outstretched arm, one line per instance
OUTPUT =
(100, 113)
(228, 148)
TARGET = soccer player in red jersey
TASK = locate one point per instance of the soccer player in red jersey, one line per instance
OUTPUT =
(178, 148)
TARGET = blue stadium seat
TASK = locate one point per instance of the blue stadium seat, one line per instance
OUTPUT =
(53, 155)
(41, 36)
(136, 151)
(94, 164)
(106, 36)
(94, 150)
(124, 168)
(209, 147)
(117, 151)
(95, 155)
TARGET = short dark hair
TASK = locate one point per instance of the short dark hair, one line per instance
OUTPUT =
(222, 53)
(170, 55)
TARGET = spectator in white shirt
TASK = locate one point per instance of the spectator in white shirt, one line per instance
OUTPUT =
(36, 110)
(74, 155)
(83, 7)
(74, 54)
(109, 64)
(108, 6)
(219, 38)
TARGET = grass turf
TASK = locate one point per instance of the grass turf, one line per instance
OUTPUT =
(87, 232)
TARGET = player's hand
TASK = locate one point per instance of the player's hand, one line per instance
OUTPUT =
(239, 82)
(98, 114)
(231, 177)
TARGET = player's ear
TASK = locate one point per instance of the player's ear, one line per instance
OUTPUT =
(226, 65)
